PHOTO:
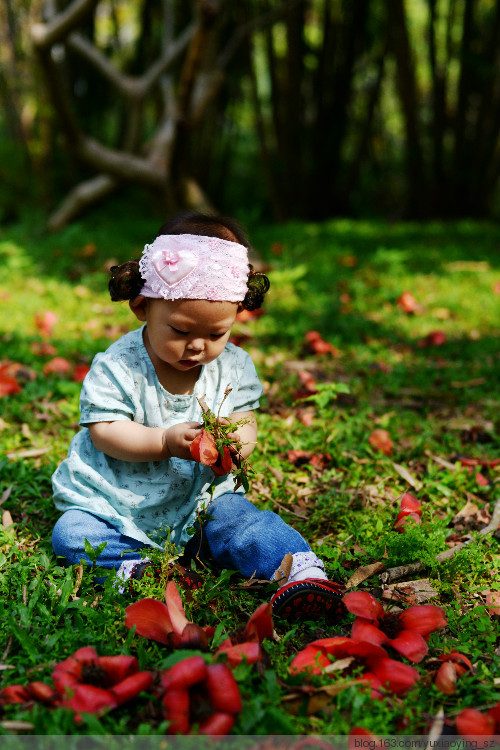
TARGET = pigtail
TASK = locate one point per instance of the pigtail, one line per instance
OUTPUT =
(126, 281)
(258, 284)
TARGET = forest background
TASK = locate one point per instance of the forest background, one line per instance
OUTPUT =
(300, 109)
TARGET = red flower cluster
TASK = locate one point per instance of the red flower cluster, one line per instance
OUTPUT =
(410, 510)
(405, 632)
(197, 693)
(167, 622)
(372, 629)
(85, 683)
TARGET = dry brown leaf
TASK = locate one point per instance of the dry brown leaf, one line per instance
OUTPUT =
(363, 573)
(405, 474)
(339, 665)
(6, 494)
(7, 521)
(17, 726)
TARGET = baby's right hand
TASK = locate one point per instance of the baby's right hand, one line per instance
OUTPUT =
(177, 439)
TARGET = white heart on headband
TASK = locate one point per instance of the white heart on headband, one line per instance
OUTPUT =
(174, 265)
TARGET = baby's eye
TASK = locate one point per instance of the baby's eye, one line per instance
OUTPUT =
(181, 333)
(215, 336)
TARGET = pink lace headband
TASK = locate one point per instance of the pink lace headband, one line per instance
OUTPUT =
(189, 266)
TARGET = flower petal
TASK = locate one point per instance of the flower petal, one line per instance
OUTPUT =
(260, 624)
(14, 694)
(249, 651)
(458, 658)
(446, 678)
(410, 504)
(91, 700)
(184, 674)
(131, 686)
(311, 659)
(191, 637)
(363, 604)
(365, 650)
(394, 676)
(423, 618)
(151, 619)
(219, 723)
(372, 681)
(470, 723)
(410, 644)
(176, 711)
(364, 630)
(404, 519)
(175, 608)
(119, 667)
(223, 689)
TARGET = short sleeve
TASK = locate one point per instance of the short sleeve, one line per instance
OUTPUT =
(249, 386)
(106, 390)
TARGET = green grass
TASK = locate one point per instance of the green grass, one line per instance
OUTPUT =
(343, 279)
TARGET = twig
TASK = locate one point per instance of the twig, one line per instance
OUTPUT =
(393, 574)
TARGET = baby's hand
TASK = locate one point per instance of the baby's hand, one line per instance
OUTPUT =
(178, 439)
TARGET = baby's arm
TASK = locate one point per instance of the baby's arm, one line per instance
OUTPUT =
(130, 441)
(247, 433)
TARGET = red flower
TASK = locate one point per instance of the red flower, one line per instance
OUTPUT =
(404, 632)
(410, 511)
(245, 643)
(197, 694)
(166, 623)
(446, 678)
(88, 683)
(382, 672)
(471, 723)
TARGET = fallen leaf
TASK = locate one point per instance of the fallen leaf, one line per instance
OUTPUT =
(363, 573)
(493, 602)
(31, 453)
(405, 474)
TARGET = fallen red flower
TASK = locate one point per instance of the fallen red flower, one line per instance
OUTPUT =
(404, 631)
(381, 441)
(245, 644)
(446, 678)
(33, 691)
(88, 683)
(197, 694)
(405, 519)
(409, 505)
(459, 660)
(167, 622)
(57, 366)
(471, 723)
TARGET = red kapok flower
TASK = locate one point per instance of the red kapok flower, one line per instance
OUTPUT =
(199, 694)
(446, 678)
(245, 644)
(470, 723)
(404, 632)
(315, 656)
(88, 683)
(461, 662)
(167, 622)
(395, 677)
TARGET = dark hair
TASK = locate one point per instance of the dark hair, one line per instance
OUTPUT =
(126, 281)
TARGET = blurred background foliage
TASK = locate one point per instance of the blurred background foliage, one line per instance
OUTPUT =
(302, 109)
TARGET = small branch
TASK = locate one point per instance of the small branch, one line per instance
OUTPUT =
(80, 198)
(44, 35)
(123, 166)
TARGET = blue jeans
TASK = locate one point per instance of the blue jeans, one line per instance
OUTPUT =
(239, 537)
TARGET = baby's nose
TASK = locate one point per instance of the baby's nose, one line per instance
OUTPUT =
(196, 345)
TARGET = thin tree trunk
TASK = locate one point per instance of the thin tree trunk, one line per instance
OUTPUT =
(409, 98)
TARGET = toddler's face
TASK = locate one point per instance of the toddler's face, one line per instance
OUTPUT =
(186, 334)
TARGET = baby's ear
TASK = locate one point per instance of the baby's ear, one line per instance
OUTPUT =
(138, 306)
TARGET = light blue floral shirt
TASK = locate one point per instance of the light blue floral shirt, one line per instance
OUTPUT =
(154, 500)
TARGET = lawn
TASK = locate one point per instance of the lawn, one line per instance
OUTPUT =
(397, 394)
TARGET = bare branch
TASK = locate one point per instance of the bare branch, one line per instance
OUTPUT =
(124, 166)
(131, 87)
(44, 35)
(81, 197)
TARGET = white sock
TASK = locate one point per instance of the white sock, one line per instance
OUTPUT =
(301, 575)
